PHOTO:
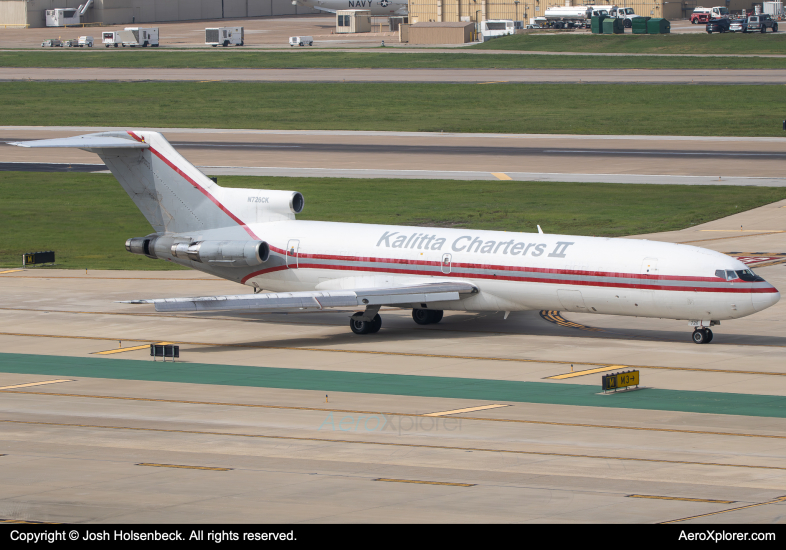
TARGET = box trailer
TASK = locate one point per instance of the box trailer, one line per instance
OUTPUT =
(138, 36)
(224, 36)
(493, 28)
(110, 38)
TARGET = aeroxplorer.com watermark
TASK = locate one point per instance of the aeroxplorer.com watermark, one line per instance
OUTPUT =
(389, 423)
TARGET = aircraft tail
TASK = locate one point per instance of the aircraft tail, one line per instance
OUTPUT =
(173, 194)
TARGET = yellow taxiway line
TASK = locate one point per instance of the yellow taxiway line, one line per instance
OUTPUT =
(394, 444)
(133, 348)
(184, 467)
(685, 499)
(426, 482)
(10, 271)
(33, 384)
(774, 501)
(585, 372)
(501, 176)
(470, 409)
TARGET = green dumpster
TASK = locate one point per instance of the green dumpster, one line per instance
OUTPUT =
(613, 25)
(639, 25)
(658, 25)
(597, 23)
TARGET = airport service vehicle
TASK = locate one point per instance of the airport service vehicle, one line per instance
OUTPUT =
(761, 23)
(85, 41)
(739, 25)
(383, 8)
(252, 237)
(494, 28)
(62, 17)
(701, 15)
(52, 43)
(137, 36)
(718, 25)
(224, 36)
(301, 40)
(111, 38)
(568, 17)
(71, 43)
(626, 14)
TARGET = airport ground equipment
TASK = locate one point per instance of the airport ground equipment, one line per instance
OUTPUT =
(568, 17)
(494, 28)
(620, 380)
(111, 38)
(301, 40)
(38, 258)
(85, 41)
(702, 14)
(138, 36)
(253, 237)
(52, 43)
(225, 36)
(62, 17)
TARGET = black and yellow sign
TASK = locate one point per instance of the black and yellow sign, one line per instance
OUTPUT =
(620, 380)
(33, 258)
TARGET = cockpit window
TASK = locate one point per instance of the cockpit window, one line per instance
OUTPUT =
(726, 274)
(748, 276)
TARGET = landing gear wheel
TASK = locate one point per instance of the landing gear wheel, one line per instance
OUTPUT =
(700, 336)
(421, 316)
(376, 324)
(359, 326)
(709, 335)
(436, 316)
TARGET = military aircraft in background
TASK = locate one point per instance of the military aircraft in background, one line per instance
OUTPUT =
(251, 236)
(378, 8)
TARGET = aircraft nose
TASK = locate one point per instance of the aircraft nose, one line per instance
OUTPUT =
(763, 300)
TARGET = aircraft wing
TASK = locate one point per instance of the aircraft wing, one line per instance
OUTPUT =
(323, 9)
(318, 299)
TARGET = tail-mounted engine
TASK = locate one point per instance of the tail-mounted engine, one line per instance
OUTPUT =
(143, 245)
(223, 253)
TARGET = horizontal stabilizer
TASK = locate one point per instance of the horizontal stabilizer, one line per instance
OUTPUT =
(317, 300)
(89, 141)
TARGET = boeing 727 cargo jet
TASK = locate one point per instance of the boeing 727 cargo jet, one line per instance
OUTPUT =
(252, 237)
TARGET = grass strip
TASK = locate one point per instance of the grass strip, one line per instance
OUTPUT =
(233, 59)
(325, 381)
(699, 43)
(508, 108)
(86, 218)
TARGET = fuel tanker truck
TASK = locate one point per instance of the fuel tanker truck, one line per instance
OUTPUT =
(568, 17)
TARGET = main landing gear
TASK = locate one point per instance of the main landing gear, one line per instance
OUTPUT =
(427, 316)
(361, 326)
(702, 336)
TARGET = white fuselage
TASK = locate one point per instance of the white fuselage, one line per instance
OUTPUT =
(379, 8)
(513, 271)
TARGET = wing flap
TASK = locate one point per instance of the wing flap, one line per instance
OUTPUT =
(316, 300)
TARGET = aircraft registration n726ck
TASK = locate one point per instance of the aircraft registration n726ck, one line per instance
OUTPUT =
(251, 237)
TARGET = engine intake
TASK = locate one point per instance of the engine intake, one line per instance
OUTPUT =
(226, 253)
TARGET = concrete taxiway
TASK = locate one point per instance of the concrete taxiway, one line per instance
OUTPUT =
(531, 76)
(595, 158)
(292, 418)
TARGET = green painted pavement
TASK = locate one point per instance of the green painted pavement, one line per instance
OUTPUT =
(394, 384)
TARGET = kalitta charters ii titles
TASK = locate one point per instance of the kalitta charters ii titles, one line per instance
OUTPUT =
(466, 243)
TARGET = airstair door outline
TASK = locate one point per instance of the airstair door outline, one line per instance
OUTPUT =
(571, 300)
(447, 259)
(293, 246)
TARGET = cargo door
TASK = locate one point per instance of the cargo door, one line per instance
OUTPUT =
(571, 300)
(293, 247)
(447, 261)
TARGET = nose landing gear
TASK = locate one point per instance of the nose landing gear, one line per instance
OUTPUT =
(702, 336)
